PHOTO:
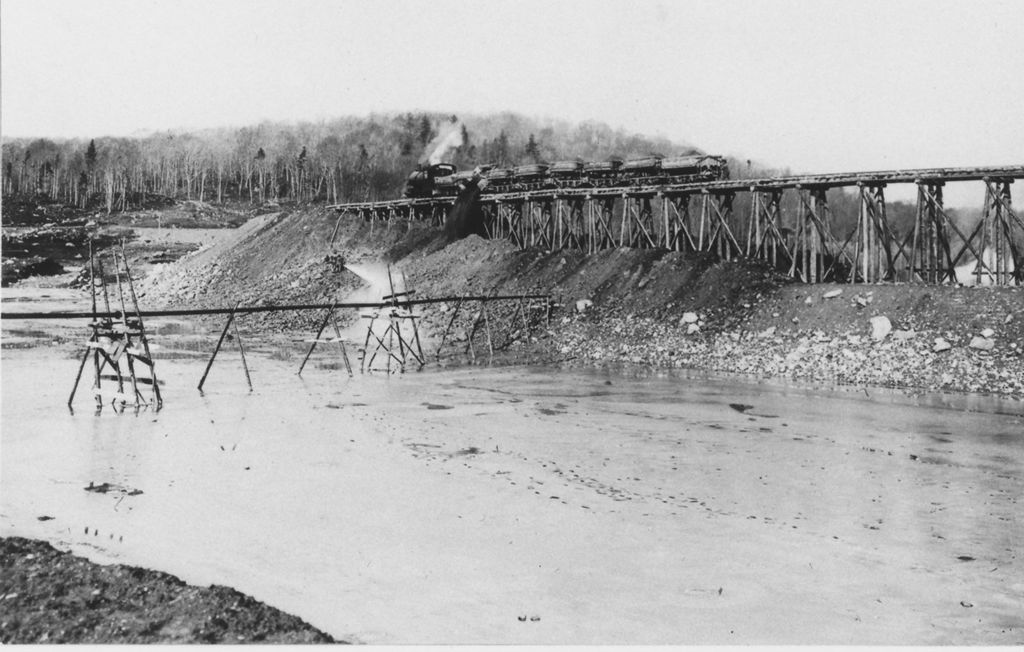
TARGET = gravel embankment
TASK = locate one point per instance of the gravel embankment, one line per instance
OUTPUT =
(908, 359)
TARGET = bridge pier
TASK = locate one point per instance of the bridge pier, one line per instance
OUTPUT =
(875, 239)
(715, 214)
(637, 222)
(600, 211)
(819, 255)
(676, 216)
(764, 231)
(932, 260)
(510, 219)
(536, 214)
(571, 231)
(998, 234)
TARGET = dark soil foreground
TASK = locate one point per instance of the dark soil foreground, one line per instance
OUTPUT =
(48, 596)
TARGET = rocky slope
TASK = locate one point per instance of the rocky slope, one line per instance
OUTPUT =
(621, 306)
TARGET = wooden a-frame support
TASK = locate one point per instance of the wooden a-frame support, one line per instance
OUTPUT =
(397, 313)
(216, 349)
(113, 341)
(329, 318)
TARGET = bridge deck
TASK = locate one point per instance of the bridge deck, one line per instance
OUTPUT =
(831, 180)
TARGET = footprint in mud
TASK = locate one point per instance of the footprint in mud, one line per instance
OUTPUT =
(435, 406)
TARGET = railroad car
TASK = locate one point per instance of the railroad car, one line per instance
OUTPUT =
(443, 179)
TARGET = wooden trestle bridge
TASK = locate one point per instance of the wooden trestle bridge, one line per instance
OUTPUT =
(784, 220)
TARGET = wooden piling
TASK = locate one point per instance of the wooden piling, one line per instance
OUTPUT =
(216, 349)
(448, 328)
(487, 327)
(344, 352)
(316, 338)
(241, 352)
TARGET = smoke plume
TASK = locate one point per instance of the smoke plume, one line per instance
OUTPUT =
(449, 138)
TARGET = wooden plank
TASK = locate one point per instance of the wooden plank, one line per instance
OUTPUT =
(141, 379)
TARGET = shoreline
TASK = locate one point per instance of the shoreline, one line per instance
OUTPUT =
(654, 308)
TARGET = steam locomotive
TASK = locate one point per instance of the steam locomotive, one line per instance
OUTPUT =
(444, 180)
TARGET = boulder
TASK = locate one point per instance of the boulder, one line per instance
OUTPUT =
(941, 345)
(689, 318)
(831, 294)
(982, 344)
(583, 304)
(880, 328)
(692, 329)
(988, 333)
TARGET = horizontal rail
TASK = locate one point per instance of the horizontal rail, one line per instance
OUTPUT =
(423, 202)
(183, 312)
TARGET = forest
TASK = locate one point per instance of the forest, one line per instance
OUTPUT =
(340, 160)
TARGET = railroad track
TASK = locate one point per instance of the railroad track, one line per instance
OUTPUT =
(785, 220)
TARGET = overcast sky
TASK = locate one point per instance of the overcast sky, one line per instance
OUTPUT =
(819, 86)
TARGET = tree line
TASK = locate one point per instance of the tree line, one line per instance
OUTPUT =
(340, 160)
(334, 161)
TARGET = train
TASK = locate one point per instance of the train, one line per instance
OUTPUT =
(445, 180)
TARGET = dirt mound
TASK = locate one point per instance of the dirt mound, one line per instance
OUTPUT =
(55, 597)
(280, 258)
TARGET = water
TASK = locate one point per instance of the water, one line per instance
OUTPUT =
(536, 505)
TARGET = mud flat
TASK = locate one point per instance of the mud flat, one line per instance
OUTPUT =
(523, 505)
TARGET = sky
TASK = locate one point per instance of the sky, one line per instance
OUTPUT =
(818, 86)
